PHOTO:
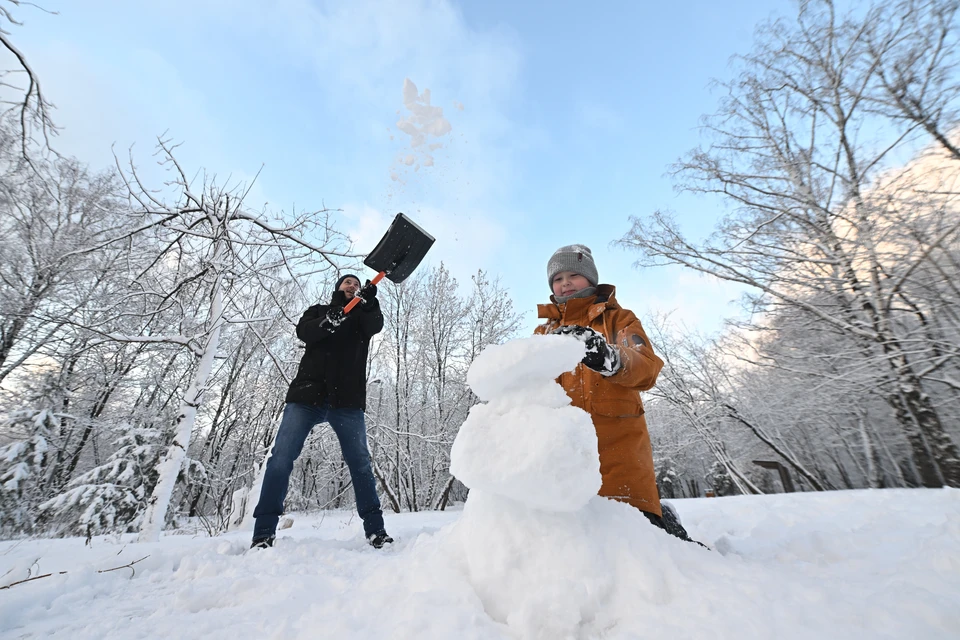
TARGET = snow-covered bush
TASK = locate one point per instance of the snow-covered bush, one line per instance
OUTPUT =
(112, 498)
(719, 478)
(668, 479)
(22, 467)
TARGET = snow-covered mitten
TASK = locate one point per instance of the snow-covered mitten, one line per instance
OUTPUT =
(601, 356)
(334, 316)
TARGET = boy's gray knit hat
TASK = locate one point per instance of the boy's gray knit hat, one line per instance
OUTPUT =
(573, 257)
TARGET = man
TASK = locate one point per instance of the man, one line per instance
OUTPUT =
(330, 386)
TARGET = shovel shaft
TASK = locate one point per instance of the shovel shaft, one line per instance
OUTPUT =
(356, 300)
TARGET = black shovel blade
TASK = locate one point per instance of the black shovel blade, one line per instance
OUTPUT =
(400, 250)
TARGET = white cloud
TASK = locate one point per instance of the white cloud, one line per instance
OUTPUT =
(361, 52)
(693, 301)
(341, 67)
(364, 225)
(349, 59)
(103, 101)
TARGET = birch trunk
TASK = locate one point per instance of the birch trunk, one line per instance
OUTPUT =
(869, 453)
(169, 469)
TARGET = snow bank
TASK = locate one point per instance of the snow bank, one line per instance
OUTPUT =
(550, 559)
(833, 566)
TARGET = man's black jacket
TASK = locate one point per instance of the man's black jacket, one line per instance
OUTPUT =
(334, 366)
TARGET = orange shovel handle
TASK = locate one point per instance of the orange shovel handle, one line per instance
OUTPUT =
(356, 300)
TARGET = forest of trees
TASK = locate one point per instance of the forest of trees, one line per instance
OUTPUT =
(834, 147)
(146, 330)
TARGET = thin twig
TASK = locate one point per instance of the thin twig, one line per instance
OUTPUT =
(129, 565)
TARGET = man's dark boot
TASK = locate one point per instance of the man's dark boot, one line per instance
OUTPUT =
(378, 539)
(262, 543)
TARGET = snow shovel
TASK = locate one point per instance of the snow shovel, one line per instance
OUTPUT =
(397, 254)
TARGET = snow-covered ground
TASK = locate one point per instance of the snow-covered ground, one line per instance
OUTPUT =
(856, 564)
(534, 553)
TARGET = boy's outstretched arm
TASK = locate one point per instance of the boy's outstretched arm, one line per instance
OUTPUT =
(639, 365)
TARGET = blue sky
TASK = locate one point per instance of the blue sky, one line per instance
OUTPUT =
(571, 114)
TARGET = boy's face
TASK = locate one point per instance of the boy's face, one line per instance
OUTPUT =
(350, 286)
(567, 283)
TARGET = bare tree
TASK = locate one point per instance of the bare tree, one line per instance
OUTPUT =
(56, 220)
(691, 383)
(433, 331)
(826, 222)
(211, 251)
(492, 318)
(912, 47)
(27, 105)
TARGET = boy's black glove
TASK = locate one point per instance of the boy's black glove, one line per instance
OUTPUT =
(368, 295)
(600, 356)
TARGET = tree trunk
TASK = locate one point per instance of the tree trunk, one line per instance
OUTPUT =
(441, 503)
(170, 467)
(10, 332)
(935, 455)
(391, 494)
(870, 453)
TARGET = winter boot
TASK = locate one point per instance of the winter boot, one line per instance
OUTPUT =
(378, 539)
(262, 543)
(670, 522)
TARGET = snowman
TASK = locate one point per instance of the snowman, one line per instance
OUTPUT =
(546, 556)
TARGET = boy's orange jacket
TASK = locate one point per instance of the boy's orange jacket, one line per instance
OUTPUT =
(626, 458)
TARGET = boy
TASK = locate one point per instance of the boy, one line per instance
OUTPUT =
(619, 363)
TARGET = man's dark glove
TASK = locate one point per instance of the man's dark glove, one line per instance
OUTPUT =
(368, 295)
(600, 356)
(334, 317)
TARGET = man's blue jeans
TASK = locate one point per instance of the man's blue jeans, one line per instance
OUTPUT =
(298, 420)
